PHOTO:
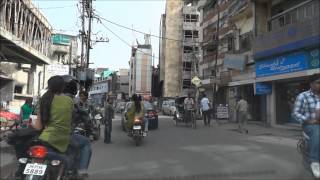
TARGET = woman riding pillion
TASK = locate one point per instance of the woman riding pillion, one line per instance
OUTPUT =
(136, 111)
(55, 122)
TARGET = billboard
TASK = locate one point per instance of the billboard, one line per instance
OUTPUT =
(58, 69)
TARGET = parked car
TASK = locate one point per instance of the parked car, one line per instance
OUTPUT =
(150, 113)
(168, 107)
(120, 107)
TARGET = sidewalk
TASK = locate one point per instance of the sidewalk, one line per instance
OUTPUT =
(260, 129)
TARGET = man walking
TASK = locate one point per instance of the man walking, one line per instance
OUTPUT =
(109, 114)
(205, 107)
(242, 114)
(307, 113)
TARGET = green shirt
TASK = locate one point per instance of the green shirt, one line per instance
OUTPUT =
(26, 111)
(131, 114)
(57, 132)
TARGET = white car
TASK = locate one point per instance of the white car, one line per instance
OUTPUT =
(168, 107)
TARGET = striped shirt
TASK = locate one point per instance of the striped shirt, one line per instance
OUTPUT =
(305, 106)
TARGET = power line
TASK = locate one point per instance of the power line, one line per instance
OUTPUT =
(131, 29)
(126, 41)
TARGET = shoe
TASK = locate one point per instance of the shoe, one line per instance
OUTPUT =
(145, 133)
(83, 174)
(315, 168)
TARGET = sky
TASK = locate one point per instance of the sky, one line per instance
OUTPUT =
(143, 15)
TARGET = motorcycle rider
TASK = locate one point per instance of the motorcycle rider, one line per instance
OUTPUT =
(136, 110)
(305, 112)
(77, 141)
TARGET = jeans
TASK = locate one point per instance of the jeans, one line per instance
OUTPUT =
(83, 144)
(313, 131)
(206, 117)
(146, 124)
(107, 133)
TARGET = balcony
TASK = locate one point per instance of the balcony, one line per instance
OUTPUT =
(293, 29)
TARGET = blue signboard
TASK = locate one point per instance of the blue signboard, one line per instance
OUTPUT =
(281, 65)
(263, 88)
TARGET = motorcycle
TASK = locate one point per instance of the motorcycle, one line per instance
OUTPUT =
(43, 163)
(137, 131)
(303, 147)
(87, 125)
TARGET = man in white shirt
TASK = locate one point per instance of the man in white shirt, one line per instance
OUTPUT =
(205, 107)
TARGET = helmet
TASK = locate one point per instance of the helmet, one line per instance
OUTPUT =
(70, 84)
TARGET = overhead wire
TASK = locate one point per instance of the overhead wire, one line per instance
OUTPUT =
(122, 40)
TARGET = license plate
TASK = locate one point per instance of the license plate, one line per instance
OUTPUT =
(35, 169)
(136, 127)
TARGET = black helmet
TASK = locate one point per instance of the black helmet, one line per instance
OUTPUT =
(70, 84)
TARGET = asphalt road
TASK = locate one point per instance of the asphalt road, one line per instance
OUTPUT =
(217, 152)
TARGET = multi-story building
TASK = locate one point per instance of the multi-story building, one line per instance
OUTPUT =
(123, 78)
(179, 47)
(226, 61)
(286, 52)
(262, 50)
(141, 68)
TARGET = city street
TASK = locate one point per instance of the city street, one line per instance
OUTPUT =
(204, 153)
(217, 152)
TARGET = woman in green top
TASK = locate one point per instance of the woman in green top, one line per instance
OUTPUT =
(135, 110)
(25, 112)
(54, 117)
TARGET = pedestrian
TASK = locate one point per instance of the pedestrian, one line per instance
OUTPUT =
(242, 114)
(205, 108)
(188, 107)
(25, 112)
(306, 111)
(109, 114)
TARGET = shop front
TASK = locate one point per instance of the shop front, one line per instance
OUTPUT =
(286, 77)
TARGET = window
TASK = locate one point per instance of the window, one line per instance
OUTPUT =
(230, 43)
(187, 49)
(191, 18)
(18, 89)
(186, 83)
(187, 66)
(191, 34)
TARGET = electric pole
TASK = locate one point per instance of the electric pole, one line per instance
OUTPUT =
(89, 12)
(82, 32)
(214, 101)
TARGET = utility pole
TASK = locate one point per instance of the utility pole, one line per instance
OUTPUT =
(89, 11)
(82, 32)
(216, 60)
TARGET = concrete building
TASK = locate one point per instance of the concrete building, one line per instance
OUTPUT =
(286, 52)
(25, 40)
(226, 63)
(141, 68)
(179, 49)
(123, 77)
(242, 55)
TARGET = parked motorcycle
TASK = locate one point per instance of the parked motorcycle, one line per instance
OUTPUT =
(137, 131)
(303, 147)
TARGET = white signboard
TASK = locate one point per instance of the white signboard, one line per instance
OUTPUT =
(58, 69)
(222, 112)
